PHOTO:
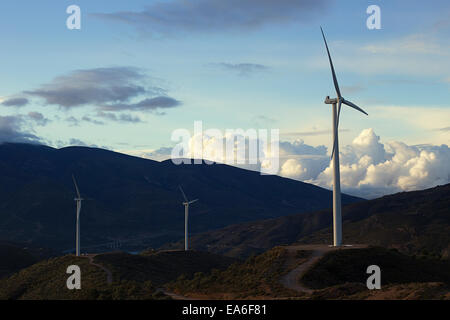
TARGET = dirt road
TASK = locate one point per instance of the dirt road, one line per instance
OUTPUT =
(109, 277)
(290, 280)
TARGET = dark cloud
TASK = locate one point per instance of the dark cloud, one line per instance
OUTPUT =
(119, 118)
(109, 89)
(38, 118)
(92, 86)
(170, 17)
(93, 121)
(73, 122)
(150, 104)
(11, 130)
(446, 129)
(15, 102)
(243, 69)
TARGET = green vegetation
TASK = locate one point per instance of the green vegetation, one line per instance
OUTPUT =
(349, 266)
(257, 276)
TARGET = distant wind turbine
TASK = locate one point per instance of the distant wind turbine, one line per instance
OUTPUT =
(337, 214)
(186, 204)
(78, 199)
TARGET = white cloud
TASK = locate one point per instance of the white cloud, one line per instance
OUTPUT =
(369, 167)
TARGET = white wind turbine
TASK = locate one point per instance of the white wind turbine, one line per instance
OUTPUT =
(337, 214)
(186, 204)
(78, 199)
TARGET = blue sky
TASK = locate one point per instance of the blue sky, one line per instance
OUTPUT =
(400, 74)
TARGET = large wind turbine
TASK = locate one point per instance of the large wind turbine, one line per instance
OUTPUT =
(78, 199)
(186, 204)
(337, 215)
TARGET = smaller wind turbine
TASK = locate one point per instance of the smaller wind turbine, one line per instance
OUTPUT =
(78, 199)
(186, 204)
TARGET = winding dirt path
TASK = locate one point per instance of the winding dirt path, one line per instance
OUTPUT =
(291, 279)
(109, 277)
(174, 296)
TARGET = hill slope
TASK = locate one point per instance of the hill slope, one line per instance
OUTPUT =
(340, 274)
(414, 222)
(14, 256)
(133, 198)
(133, 276)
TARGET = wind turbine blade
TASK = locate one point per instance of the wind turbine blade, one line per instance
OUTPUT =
(76, 186)
(337, 128)
(336, 85)
(354, 106)
(184, 196)
(190, 202)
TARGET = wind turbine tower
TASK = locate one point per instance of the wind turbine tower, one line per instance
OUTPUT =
(337, 213)
(186, 204)
(78, 200)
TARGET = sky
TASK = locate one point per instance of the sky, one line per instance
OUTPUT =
(138, 70)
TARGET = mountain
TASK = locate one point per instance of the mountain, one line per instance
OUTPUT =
(14, 256)
(415, 222)
(132, 199)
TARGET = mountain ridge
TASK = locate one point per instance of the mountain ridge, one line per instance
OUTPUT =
(416, 222)
(135, 201)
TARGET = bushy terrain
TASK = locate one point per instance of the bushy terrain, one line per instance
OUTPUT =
(340, 274)
(161, 267)
(133, 276)
(405, 291)
(349, 266)
(256, 277)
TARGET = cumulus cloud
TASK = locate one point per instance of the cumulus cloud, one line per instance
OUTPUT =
(369, 167)
(15, 102)
(12, 130)
(169, 17)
